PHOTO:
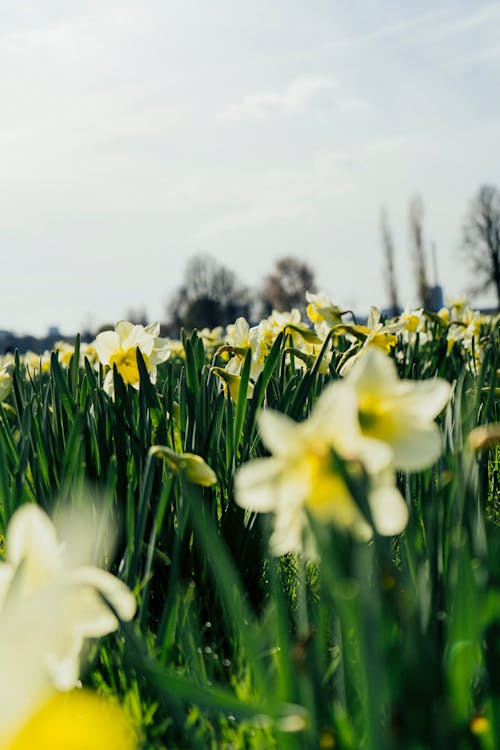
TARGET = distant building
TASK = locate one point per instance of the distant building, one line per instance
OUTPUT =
(436, 298)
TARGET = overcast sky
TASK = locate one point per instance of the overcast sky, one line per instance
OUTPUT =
(136, 134)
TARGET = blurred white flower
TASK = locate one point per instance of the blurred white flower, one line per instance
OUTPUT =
(398, 412)
(37, 565)
(301, 475)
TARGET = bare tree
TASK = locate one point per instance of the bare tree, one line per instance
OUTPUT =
(209, 296)
(389, 270)
(287, 285)
(481, 240)
(418, 252)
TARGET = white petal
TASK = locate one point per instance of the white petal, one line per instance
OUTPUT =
(31, 538)
(153, 329)
(375, 455)
(389, 510)
(419, 448)
(374, 371)
(334, 418)
(108, 385)
(256, 484)
(106, 344)
(138, 338)
(161, 351)
(123, 328)
(115, 591)
(288, 531)
(425, 398)
(280, 434)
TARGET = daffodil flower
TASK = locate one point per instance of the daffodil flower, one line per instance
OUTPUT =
(320, 309)
(240, 338)
(231, 383)
(195, 469)
(37, 562)
(400, 413)
(301, 477)
(119, 348)
(374, 334)
(75, 720)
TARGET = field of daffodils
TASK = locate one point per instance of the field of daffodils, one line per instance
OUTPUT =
(283, 535)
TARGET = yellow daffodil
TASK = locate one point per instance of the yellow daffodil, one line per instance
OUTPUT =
(374, 334)
(400, 413)
(119, 348)
(231, 383)
(194, 468)
(78, 720)
(320, 309)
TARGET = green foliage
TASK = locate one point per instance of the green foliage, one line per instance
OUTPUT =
(391, 644)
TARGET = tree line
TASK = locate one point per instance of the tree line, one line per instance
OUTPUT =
(479, 249)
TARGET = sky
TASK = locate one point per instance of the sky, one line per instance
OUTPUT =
(135, 135)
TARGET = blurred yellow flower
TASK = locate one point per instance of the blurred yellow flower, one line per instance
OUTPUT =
(78, 720)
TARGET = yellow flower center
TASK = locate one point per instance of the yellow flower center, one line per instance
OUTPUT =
(411, 323)
(328, 498)
(376, 418)
(126, 364)
(384, 341)
(77, 721)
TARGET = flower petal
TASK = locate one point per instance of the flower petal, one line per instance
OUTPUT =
(107, 343)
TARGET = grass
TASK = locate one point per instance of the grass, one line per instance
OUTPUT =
(391, 644)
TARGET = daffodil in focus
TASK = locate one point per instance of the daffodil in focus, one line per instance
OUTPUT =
(78, 720)
(38, 563)
(241, 337)
(118, 349)
(301, 476)
(400, 413)
(231, 383)
(374, 335)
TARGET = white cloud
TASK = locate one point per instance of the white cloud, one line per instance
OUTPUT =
(297, 96)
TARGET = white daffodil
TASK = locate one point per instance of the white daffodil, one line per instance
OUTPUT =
(39, 567)
(398, 412)
(119, 348)
(240, 338)
(301, 476)
(374, 335)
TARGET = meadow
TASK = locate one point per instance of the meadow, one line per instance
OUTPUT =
(299, 524)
